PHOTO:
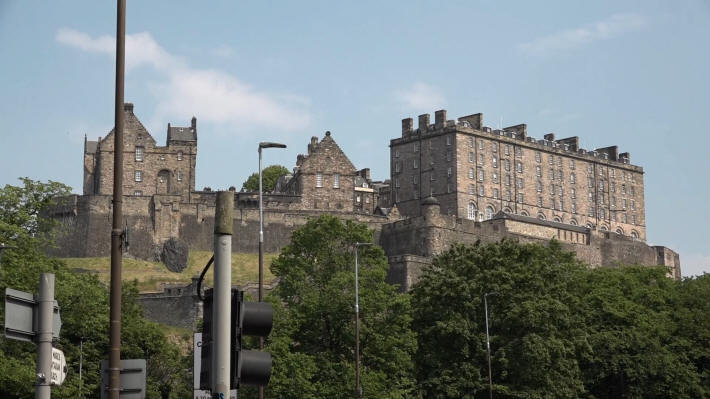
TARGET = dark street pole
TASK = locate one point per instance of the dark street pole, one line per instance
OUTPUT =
(358, 388)
(261, 240)
(116, 232)
(488, 344)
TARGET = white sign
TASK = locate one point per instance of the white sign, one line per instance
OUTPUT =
(200, 394)
(59, 367)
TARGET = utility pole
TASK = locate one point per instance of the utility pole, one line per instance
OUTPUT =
(45, 321)
(221, 310)
(358, 388)
(488, 345)
(116, 232)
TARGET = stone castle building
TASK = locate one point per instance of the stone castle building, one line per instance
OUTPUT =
(475, 172)
(451, 181)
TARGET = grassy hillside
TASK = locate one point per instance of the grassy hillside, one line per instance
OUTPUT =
(245, 268)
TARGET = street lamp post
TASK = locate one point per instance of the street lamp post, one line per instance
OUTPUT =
(358, 389)
(488, 344)
(263, 144)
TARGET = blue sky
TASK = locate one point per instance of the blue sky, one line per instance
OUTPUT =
(632, 74)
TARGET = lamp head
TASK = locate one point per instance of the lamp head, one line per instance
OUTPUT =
(268, 144)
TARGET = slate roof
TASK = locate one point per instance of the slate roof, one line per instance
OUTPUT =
(176, 133)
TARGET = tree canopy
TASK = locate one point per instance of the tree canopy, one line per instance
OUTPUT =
(84, 310)
(269, 176)
(558, 329)
(314, 337)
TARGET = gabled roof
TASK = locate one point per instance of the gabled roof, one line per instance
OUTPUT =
(327, 145)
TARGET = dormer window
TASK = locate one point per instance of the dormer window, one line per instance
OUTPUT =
(179, 155)
(139, 154)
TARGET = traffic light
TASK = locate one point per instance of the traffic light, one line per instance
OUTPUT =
(252, 319)
(247, 319)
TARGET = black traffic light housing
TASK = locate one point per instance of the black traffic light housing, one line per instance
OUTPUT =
(247, 318)
(254, 319)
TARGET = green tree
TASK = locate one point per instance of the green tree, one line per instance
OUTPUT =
(692, 316)
(638, 349)
(84, 309)
(313, 340)
(537, 335)
(269, 176)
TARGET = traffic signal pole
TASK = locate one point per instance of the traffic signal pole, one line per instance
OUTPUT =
(44, 336)
(221, 327)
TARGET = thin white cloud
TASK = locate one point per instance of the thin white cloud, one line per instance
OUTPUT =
(421, 97)
(223, 51)
(573, 38)
(211, 95)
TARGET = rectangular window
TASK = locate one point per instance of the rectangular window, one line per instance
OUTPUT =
(481, 190)
(518, 152)
(508, 196)
(560, 176)
(357, 198)
(538, 171)
(480, 159)
(520, 198)
(495, 177)
(448, 140)
(571, 163)
(396, 153)
(471, 189)
(162, 157)
(179, 156)
(495, 193)
(539, 202)
(560, 191)
(448, 171)
(179, 175)
(591, 196)
(470, 173)
(396, 167)
(448, 156)
(336, 180)
(633, 190)
(494, 147)
(415, 163)
(552, 174)
(539, 186)
(470, 156)
(591, 211)
(480, 144)
(590, 183)
(520, 182)
(138, 193)
(538, 156)
(507, 180)
(470, 141)
(480, 174)
(552, 159)
(139, 175)
(396, 182)
(139, 154)
(507, 149)
(495, 161)
(507, 165)
(623, 189)
(613, 202)
(574, 207)
(559, 162)
(552, 189)
(572, 178)
(572, 193)
(416, 146)
(519, 167)
(448, 187)
(562, 205)
(612, 172)
(623, 203)
(601, 185)
(319, 180)
(633, 219)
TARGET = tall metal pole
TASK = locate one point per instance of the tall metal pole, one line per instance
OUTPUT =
(358, 388)
(222, 303)
(116, 232)
(488, 345)
(261, 240)
(44, 336)
(81, 361)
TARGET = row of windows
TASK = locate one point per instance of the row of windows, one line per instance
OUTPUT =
(138, 176)
(141, 150)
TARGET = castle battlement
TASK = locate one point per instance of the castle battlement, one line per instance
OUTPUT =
(516, 134)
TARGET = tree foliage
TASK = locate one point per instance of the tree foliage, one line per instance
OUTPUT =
(314, 338)
(558, 328)
(269, 176)
(84, 310)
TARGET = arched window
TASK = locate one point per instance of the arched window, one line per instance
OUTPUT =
(472, 211)
(588, 225)
(541, 216)
(524, 213)
(573, 222)
(634, 234)
(490, 211)
(604, 228)
(507, 210)
(557, 219)
(619, 231)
